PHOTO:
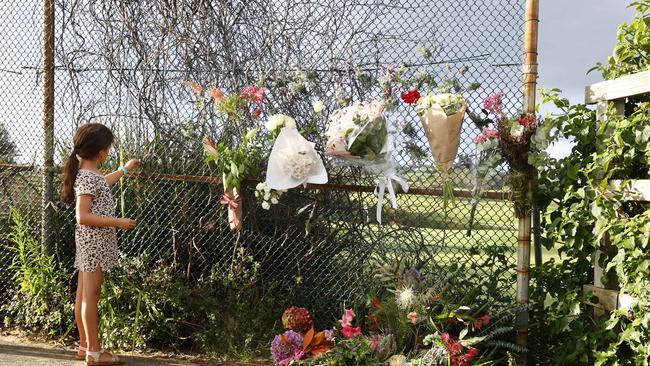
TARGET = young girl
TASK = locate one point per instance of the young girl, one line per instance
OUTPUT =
(95, 239)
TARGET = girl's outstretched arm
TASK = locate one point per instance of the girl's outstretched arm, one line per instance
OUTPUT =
(113, 177)
(85, 216)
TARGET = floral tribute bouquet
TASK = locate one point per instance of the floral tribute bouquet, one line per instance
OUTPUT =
(358, 134)
(442, 118)
(514, 142)
(293, 160)
(235, 164)
(300, 341)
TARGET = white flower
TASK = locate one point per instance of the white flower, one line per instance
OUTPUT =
(266, 205)
(318, 106)
(517, 131)
(260, 186)
(267, 189)
(267, 196)
(405, 298)
(278, 121)
(274, 201)
(294, 161)
(298, 164)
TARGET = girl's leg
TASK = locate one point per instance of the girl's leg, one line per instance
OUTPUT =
(91, 288)
(92, 285)
(77, 315)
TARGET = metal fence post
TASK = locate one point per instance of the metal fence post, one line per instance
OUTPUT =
(523, 238)
(48, 128)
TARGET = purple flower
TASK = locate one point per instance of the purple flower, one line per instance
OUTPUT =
(494, 103)
(284, 346)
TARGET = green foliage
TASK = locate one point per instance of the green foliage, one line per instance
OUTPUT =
(370, 141)
(348, 352)
(632, 51)
(236, 163)
(577, 216)
(41, 302)
(149, 304)
(7, 146)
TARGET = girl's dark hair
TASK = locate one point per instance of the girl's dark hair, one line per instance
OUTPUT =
(89, 141)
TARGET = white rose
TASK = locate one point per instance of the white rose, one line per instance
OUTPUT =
(274, 201)
(318, 106)
(266, 205)
(280, 120)
(260, 186)
(267, 196)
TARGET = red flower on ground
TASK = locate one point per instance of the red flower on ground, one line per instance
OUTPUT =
(297, 319)
(411, 97)
(349, 331)
(485, 319)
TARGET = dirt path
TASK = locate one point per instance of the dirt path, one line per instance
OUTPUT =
(20, 351)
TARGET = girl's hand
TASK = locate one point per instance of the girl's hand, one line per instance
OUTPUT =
(125, 224)
(132, 164)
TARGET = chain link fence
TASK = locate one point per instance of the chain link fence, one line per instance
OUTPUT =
(124, 63)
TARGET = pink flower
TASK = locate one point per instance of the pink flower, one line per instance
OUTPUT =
(413, 317)
(488, 133)
(477, 324)
(254, 93)
(445, 337)
(258, 112)
(485, 319)
(456, 347)
(348, 318)
(349, 331)
(494, 103)
(471, 354)
(329, 334)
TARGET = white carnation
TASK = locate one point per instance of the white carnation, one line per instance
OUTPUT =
(266, 205)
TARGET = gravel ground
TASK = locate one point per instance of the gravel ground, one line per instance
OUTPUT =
(16, 350)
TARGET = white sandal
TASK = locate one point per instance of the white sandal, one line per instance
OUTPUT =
(80, 349)
(95, 359)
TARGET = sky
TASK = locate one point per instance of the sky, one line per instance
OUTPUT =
(573, 36)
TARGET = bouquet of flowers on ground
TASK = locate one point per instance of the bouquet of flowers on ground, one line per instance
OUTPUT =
(300, 341)
(358, 134)
(442, 118)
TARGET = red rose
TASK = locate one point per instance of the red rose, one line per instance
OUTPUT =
(411, 97)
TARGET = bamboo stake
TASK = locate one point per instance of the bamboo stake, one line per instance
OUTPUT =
(523, 239)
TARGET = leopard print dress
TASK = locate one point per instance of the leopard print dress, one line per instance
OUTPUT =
(95, 246)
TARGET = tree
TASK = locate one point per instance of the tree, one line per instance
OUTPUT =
(7, 146)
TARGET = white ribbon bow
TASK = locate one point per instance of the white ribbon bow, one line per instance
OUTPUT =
(386, 181)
